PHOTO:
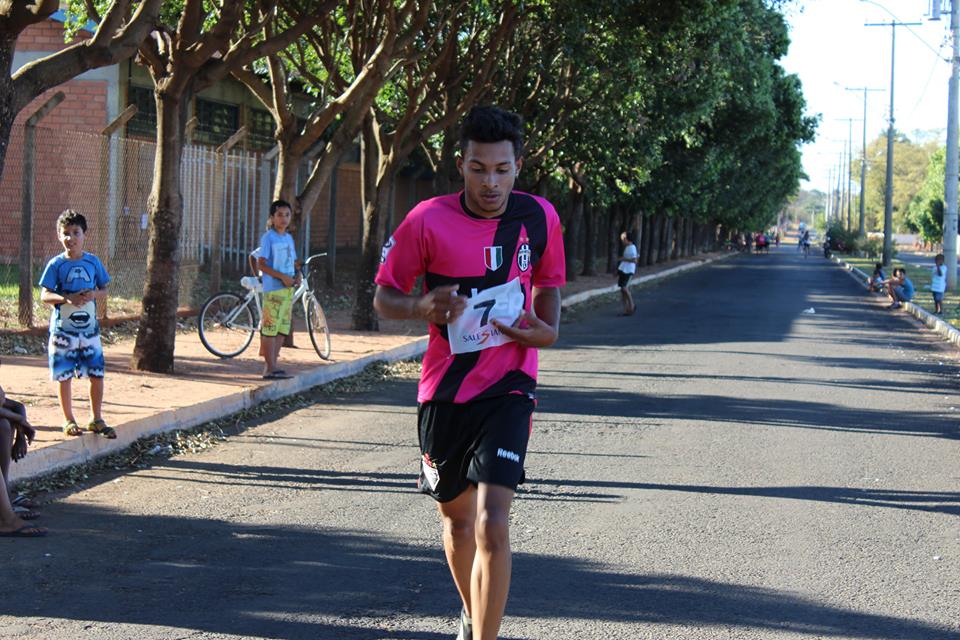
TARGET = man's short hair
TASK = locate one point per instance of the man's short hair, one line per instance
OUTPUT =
(632, 236)
(492, 124)
(70, 217)
(279, 204)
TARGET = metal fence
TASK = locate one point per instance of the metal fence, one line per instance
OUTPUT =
(108, 179)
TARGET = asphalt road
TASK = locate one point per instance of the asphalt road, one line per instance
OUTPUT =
(721, 465)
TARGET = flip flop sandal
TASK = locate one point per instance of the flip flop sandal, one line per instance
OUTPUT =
(100, 427)
(26, 531)
(71, 428)
(23, 501)
(26, 514)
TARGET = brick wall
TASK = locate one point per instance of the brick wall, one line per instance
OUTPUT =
(45, 36)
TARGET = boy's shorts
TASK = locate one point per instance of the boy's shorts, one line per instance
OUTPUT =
(277, 307)
(481, 441)
(901, 294)
(937, 296)
(74, 355)
(623, 279)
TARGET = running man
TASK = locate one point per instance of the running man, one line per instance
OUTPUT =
(493, 264)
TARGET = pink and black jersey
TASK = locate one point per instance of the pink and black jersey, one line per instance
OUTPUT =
(496, 262)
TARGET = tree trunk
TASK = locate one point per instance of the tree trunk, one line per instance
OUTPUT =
(646, 235)
(614, 223)
(374, 191)
(666, 249)
(677, 248)
(7, 111)
(153, 350)
(590, 245)
(571, 236)
(285, 188)
(447, 178)
(656, 225)
(691, 230)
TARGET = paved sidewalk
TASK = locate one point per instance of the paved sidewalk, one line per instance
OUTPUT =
(205, 388)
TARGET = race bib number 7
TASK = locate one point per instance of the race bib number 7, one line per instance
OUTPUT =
(473, 330)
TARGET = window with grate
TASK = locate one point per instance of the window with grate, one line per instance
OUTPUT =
(216, 121)
(261, 129)
(144, 123)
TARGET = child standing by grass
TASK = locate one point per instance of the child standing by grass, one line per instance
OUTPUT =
(938, 283)
(72, 282)
(277, 263)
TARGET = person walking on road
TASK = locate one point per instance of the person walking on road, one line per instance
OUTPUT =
(493, 264)
(626, 269)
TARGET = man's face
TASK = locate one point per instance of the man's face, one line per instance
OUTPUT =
(489, 170)
(72, 238)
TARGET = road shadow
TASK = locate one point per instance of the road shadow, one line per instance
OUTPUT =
(773, 412)
(211, 576)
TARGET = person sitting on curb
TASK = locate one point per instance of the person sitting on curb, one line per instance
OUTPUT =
(938, 283)
(12, 525)
(877, 279)
(16, 434)
(899, 288)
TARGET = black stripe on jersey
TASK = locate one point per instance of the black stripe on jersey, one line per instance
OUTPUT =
(522, 211)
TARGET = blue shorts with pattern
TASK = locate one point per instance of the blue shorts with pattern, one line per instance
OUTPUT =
(75, 354)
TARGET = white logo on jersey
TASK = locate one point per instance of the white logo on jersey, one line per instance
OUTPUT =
(389, 244)
(493, 257)
(523, 257)
(78, 273)
(509, 455)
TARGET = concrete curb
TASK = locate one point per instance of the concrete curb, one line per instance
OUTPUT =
(88, 447)
(939, 326)
(583, 296)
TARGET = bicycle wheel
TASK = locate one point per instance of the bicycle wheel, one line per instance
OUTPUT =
(317, 326)
(226, 325)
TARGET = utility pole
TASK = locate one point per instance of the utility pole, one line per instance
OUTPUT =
(863, 158)
(828, 210)
(951, 177)
(849, 171)
(840, 188)
(888, 194)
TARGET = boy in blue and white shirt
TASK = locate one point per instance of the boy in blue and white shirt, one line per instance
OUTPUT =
(72, 282)
(938, 282)
(278, 264)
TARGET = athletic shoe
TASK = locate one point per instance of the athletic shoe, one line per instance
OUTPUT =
(466, 626)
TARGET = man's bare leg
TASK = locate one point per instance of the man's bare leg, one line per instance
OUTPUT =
(490, 580)
(459, 540)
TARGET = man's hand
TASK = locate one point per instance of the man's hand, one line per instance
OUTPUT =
(536, 333)
(442, 305)
(286, 280)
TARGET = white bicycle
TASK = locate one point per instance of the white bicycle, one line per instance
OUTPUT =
(228, 322)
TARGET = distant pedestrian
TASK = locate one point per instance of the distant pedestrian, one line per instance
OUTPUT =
(277, 263)
(626, 269)
(938, 282)
(72, 282)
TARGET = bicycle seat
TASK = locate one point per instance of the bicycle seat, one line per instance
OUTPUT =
(251, 283)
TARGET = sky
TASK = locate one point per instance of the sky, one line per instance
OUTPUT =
(832, 49)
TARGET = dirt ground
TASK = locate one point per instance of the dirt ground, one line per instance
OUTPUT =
(200, 376)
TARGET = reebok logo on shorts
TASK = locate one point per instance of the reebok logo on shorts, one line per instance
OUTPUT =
(509, 455)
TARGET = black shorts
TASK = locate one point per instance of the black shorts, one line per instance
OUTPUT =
(473, 442)
(623, 279)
